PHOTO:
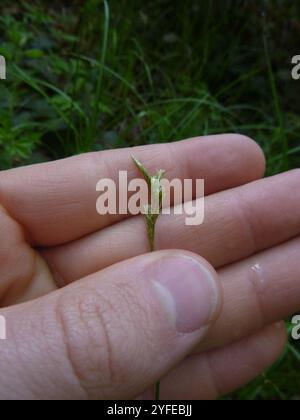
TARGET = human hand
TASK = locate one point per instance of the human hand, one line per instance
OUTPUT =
(91, 315)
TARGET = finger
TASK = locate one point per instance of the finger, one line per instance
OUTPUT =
(257, 292)
(238, 223)
(112, 335)
(56, 202)
(216, 373)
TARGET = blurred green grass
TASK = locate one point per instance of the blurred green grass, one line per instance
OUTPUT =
(91, 75)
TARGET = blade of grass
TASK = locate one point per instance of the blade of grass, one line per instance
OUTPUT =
(95, 113)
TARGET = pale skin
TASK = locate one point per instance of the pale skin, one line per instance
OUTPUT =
(82, 323)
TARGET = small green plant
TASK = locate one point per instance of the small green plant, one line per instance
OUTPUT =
(153, 210)
(152, 214)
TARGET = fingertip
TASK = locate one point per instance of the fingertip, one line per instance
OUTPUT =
(253, 154)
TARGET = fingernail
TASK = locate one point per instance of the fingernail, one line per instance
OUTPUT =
(187, 289)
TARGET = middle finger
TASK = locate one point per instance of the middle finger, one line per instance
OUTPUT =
(238, 223)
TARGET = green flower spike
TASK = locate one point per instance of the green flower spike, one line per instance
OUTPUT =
(153, 211)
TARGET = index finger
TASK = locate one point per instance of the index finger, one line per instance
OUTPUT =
(56, 202)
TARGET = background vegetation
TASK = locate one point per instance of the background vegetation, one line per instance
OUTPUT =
(89, 75)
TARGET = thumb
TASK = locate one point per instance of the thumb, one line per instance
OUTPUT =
(112, 334)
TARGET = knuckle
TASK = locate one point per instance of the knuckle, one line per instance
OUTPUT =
(245, 222)
(89, 338)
